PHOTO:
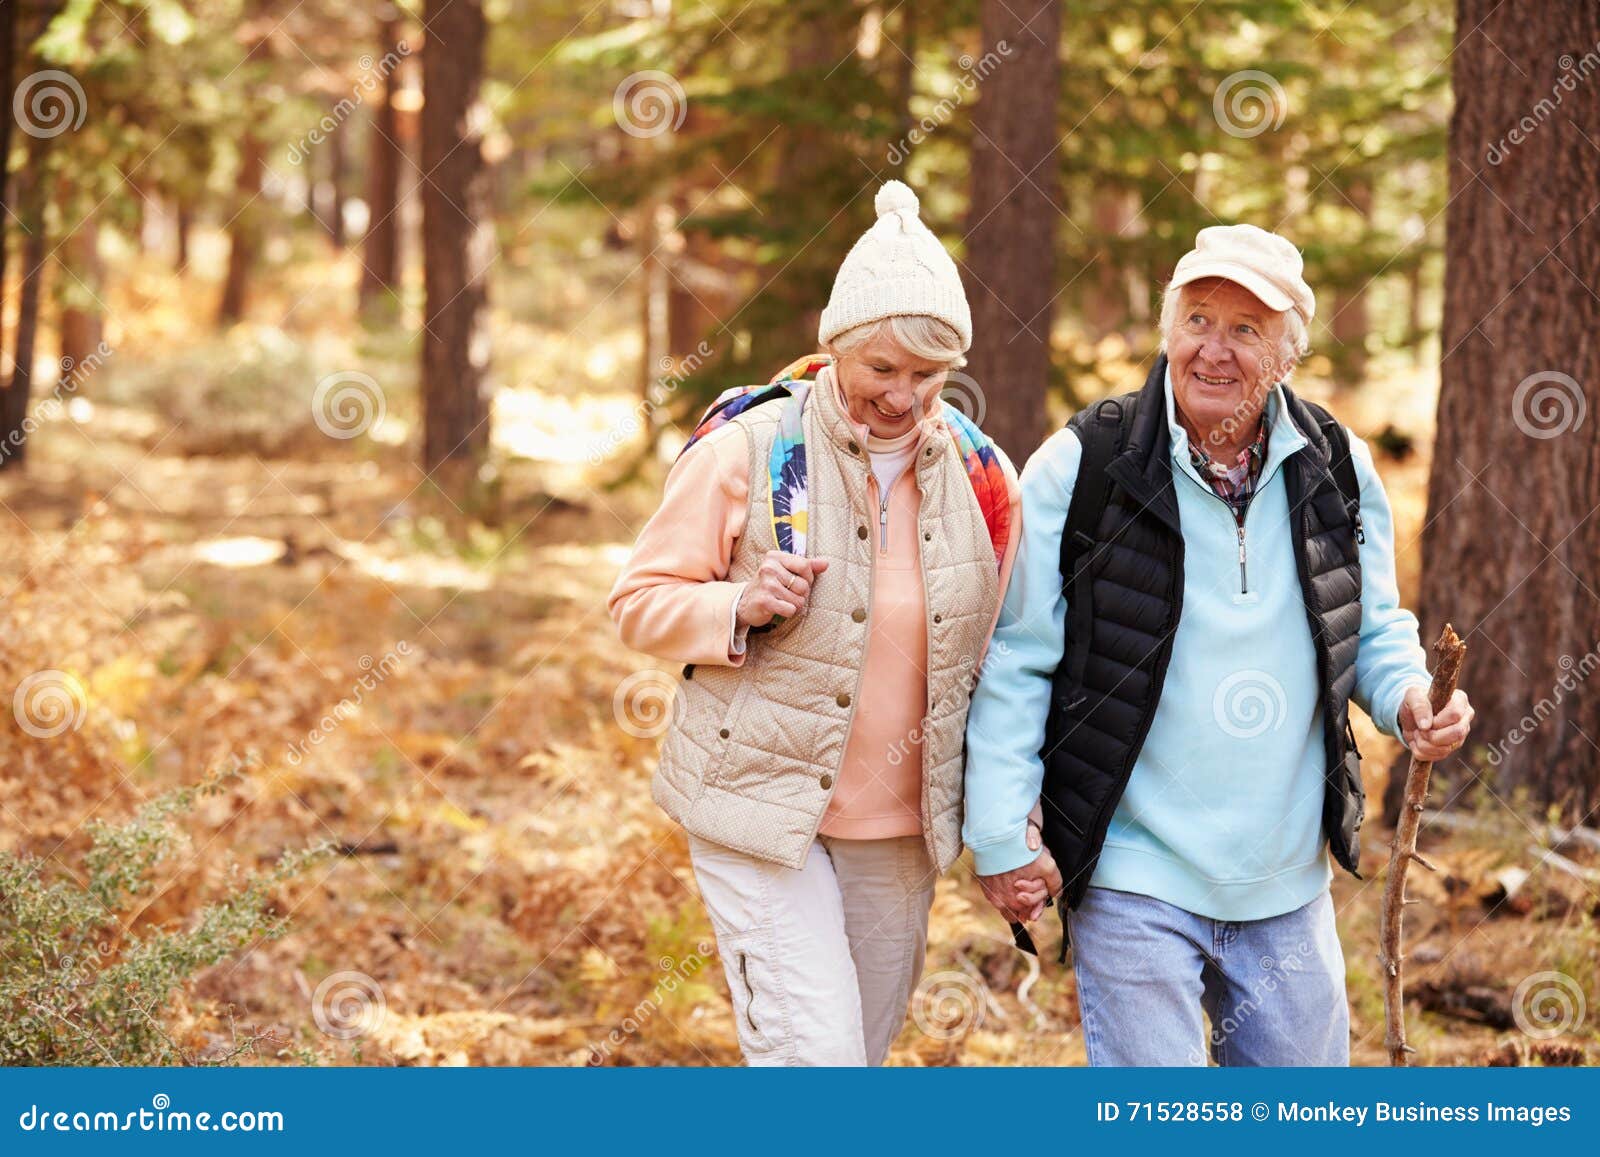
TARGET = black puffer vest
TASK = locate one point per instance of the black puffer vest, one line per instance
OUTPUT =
(1124, 579)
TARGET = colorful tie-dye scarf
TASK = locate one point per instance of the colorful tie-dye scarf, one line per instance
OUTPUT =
(786, 466)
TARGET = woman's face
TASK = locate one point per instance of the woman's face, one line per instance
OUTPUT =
(886, 388)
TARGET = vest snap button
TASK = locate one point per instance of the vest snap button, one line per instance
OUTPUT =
(724, 733)
(859, 615)
(826, 781)
(854, 449)
(842, 699)
(938, 618)
(861, 532)
(927, 536)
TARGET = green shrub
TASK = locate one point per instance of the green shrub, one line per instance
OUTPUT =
(78, 984)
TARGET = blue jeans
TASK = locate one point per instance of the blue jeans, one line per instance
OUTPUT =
(1273, 989)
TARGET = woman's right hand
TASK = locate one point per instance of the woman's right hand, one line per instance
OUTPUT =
(781, 587)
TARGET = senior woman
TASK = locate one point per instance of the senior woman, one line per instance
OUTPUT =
(827, 561)
(1206, 582)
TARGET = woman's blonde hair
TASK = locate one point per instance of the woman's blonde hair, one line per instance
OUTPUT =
(920, 335)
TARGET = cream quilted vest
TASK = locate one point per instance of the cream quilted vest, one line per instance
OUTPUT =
(753, 752)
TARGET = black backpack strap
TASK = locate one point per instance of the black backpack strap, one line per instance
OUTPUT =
(1103, 434)
(1342, 464)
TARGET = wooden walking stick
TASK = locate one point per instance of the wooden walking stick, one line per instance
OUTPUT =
(1448, 652)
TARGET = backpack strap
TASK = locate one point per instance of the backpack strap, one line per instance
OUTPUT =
(1342, 464)
(1103, 433)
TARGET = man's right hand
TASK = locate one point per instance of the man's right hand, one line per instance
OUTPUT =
(1019, 894)
(781, 587)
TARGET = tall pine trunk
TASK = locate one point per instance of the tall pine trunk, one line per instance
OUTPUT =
(8, 30)
(244, 231)
(1014, 209)
(1512, 538)
(455, 241)
(32, 198)
(380, 273)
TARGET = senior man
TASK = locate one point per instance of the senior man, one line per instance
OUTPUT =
(1205, 581)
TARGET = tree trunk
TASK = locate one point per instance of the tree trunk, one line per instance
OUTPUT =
(244, 231)
(82, 318)
(185, 223)
(1015, 204)
(1511, 540)
(380, 273)
(333, 220)
(8, 28)
(31, 199)
(1349, 322)
(455, 243)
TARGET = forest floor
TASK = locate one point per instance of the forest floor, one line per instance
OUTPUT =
(511, 896)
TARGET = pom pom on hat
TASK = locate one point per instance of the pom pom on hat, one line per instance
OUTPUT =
(895, 197)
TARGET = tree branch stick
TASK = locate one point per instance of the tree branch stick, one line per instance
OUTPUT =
(1449, 651)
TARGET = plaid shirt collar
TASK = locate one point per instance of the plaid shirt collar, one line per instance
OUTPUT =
(1234, 483)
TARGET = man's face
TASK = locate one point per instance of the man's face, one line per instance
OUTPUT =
(1225, 353)
(886, 388)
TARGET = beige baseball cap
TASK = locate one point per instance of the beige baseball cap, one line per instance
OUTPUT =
(1267, 265)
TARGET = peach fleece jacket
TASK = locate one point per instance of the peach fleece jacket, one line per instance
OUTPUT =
(672, 601)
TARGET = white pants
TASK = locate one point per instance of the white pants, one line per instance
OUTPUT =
(821, 960)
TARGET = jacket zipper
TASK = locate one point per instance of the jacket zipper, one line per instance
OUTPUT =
(883, 520)
(1238, 520)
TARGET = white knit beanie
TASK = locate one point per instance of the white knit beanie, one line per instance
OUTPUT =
(897, 269)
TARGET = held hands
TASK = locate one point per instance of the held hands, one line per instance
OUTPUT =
(781, 587)
(1019, 894)
(1432, 737)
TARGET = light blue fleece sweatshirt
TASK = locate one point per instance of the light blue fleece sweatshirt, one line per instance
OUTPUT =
(1222, 815)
